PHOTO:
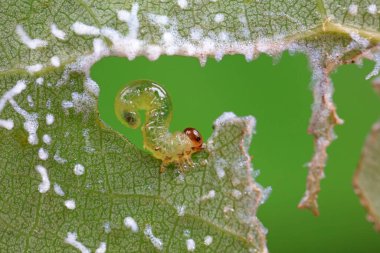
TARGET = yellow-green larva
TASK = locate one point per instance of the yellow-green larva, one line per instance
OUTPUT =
(154, 100)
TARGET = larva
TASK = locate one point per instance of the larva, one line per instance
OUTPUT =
(154, 100)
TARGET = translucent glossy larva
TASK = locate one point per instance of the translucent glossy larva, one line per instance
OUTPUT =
(153, 99)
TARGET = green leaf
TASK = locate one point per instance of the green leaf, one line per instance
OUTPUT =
(49, 47)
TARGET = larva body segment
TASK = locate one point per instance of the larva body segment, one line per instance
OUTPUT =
(154, 100)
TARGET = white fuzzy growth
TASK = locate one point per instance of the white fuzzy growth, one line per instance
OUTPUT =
(372, 9)
(70, 204)
(58, 190)
(72, 240)
(55, 61)
(7, 124)
(46, 139)
(44, 186)
(67, 104)
(40, 80)
(31, 43)
(236, 194)
(43, 154)
(208, 240)
(220, 164)
(31, 126)
(376, 68)
(209, 195)
(34, 68)
(30, 101)
(91, 86)
(190, 244)
(59, 34)
(78, 169)
(359, 40)
(102, 248)
(353, 9)
(17, 89)
(49, 119)
(158, 19)
(107, 227)
(83, 29)
(196, 33)
(219, 18)
(157, 243)
(131, 19)
(182, 4)
(153, 52)
(181, 210)
(130, 223)
(59, 159)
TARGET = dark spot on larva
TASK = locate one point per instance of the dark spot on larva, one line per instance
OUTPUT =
(130, 118)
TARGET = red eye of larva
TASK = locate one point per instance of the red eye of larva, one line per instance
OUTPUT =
(194, 136)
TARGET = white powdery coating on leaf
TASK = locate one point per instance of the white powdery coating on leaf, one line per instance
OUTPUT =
(181, 210)
(72, 240)
(46, 139)
(44, 186)
(158, 19)
(153, 52)
(58, 190)
(130, 223)
(208, 240)
(43, 154)
(219, 18)
(30, 101)
(15, 90)
(83, 29)
(59, 159)
(31, 43)
(190, 244)
(236, 194)
(353, 9)
(78, 169)
(7, 124)
(102, 248)
(91, 86)
(157, 243)
(49, 119)
(70, 204)
(57, 32)
(40, 80)
(131, 19)
(67, 104)
(209, 195)
(360, 40)
(34, 68)
(55, 61)
(372, 9)
(182, 4)
(220, 164)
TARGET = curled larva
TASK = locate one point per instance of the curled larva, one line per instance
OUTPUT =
(153, 99)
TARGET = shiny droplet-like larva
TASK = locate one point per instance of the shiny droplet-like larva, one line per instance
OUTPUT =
(150, 97)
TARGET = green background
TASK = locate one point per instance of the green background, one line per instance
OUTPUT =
(279, 96)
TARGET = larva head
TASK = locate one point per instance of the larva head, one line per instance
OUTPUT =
(195, 137)
(131, 119)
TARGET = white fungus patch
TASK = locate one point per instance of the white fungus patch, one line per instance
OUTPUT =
(208, 196)
(219, 18)
(228, 209)
(46, 139)
(159, 20)
(40, 80)
(44, 186)
(131, 19)
(7, 124)
(43, 154)
(34, 68)
(236, 194)
(83, 29)
(88, 148)
(67, 104)
(31, 43)
(208, 240)
(182, 4)
(70, 204)
(30, 101)
(72, 240)
(157, 243)
(49, 119)
(91, 86)
(107, 227)
(102, 248)
(58, 158)
(353, 9)
(14, 91)
(55, 61)
(130, 223)
(372, 9)
(220, 164)
(58, 190)
(78, 169)
(190, 245)
(181, 210)
(59, 34)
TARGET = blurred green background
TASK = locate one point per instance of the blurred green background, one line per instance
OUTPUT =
(280, 98)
